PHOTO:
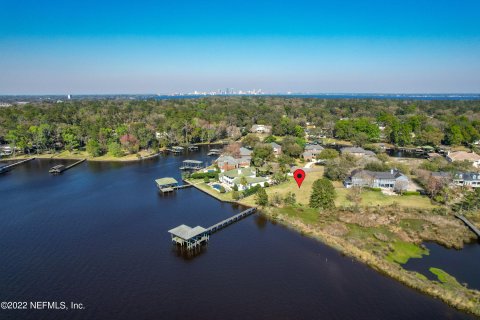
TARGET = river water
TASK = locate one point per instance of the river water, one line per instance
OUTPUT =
(97, 235)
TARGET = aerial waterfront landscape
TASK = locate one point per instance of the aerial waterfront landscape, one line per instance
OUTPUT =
(240, 160)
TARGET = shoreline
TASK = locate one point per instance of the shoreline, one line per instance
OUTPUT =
(396, 272)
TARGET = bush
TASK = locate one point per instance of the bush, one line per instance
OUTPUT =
(222, 189)
(261, 198)
(290, 199)
(203, 175)
(250, 191)
(373, 189)
(206, 179)
(236, 195)
(115, 149)
(266, 185)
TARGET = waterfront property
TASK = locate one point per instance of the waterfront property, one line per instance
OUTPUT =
(167, 184)
(393, 180)
(243, 178)
(471, 157)
(227, 163)
(191, 165)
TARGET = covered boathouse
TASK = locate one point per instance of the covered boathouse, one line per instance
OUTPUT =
(166, 184)
(191, 165)
(188, 237)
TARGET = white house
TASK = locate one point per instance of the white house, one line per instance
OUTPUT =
(242, 175)
(261, 128)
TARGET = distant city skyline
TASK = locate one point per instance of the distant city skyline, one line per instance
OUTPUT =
(347, 46)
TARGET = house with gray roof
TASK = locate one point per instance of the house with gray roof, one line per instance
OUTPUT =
(467, 179)
(357, 151)
(393, 180)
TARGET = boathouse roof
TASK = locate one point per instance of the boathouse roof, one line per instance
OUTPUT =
(166, 181)
(185, 232)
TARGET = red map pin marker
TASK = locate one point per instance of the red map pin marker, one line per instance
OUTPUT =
(299, 176)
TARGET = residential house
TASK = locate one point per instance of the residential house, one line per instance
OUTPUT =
(277, 149)
(226, 163)
(243, 178)
(467, 179)
(311, 152)
(464, 156)
(261, 128)
(393, 180)
(6, 150)
(357, 151)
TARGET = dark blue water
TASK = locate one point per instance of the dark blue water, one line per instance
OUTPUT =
(463, 264)
(97, 235)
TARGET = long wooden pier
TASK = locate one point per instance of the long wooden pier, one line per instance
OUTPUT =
(60, 168)
(222, 224)
(469, 224)
(9, 166)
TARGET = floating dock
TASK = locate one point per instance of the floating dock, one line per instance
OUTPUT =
(61, 168)
(7, 167)
(192, 238)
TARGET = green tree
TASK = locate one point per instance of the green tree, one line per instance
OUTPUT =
(261, 197)
(93, 148)
(327, 154)
(323, 194)
(115, 149)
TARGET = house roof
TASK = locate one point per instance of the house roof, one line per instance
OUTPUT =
(235, 173)
(227, 159)
(166, 181)
(245, 152)
(357, 150)
(186, 232)
(275, 145)
(468, 176)
(463, 155)
(386, 175)
(311, 147)
(250, 180)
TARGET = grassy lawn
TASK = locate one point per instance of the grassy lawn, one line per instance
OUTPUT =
(403, 251)
(302, 194)
(376, 198)
(214, 193)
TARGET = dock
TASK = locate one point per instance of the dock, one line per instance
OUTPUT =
(191, 165)
(468, 224)
(61, 168)
(192, 148)
(192, 238)
(7, 167)
(168, 184)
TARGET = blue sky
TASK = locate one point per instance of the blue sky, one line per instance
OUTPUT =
(300, 46)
